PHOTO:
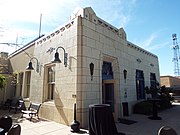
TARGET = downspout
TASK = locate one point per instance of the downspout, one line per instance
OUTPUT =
(81, 65)
(100, 79)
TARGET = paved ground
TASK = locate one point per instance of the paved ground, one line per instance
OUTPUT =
(143, 126)
(39, 127)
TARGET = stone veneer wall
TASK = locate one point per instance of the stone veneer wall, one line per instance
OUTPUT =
(61, 109)
(99, 41)
(87, 38)
(19, 61)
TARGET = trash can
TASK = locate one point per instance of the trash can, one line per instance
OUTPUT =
(125, 109)
(101, 121)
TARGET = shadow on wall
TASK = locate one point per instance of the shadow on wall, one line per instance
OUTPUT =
(59, 106)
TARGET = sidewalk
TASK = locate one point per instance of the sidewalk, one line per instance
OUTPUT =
(41, 126)
(46, 128)
(143, 126)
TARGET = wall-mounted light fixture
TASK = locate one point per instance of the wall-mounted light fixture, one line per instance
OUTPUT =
(91, 66)
(125, 74)
(57, 59)
(30, 67)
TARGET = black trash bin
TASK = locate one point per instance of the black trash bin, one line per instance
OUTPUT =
(125, 109)
(101, 121)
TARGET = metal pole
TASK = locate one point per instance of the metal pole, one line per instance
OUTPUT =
(40, 25)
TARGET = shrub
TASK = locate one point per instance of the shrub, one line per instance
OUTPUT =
(165, 98)
(161, 93)
(144, 107)
(2, 81)
(165, 102)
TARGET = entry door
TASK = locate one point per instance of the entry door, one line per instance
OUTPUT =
(108, 93)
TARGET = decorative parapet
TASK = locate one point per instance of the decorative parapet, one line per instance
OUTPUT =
(108, 26)
(137, 48)
(89, 14)
(53, 34)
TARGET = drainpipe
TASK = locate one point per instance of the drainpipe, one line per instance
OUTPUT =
(100, 78)
(79, 46)
(75, 125)
(81, 64)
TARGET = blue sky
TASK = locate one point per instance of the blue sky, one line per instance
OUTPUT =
(148, 23)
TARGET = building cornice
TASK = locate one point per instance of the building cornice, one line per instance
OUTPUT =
(137, 48)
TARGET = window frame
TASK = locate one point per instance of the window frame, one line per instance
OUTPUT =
(49, 86)
(140, 84)
(27, 84)
(153, 81)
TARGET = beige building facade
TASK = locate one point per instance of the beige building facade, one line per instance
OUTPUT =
(171, 82)
(102, 67)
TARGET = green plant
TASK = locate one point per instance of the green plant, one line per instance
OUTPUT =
(165, 97)
(144, 107)
(163, 94)
(2, 81)
(152, 90)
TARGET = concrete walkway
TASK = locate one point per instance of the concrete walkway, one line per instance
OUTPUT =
(143, 126)
(46, 128)
(39, 127)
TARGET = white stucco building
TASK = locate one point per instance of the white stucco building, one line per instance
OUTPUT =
(121, 69)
